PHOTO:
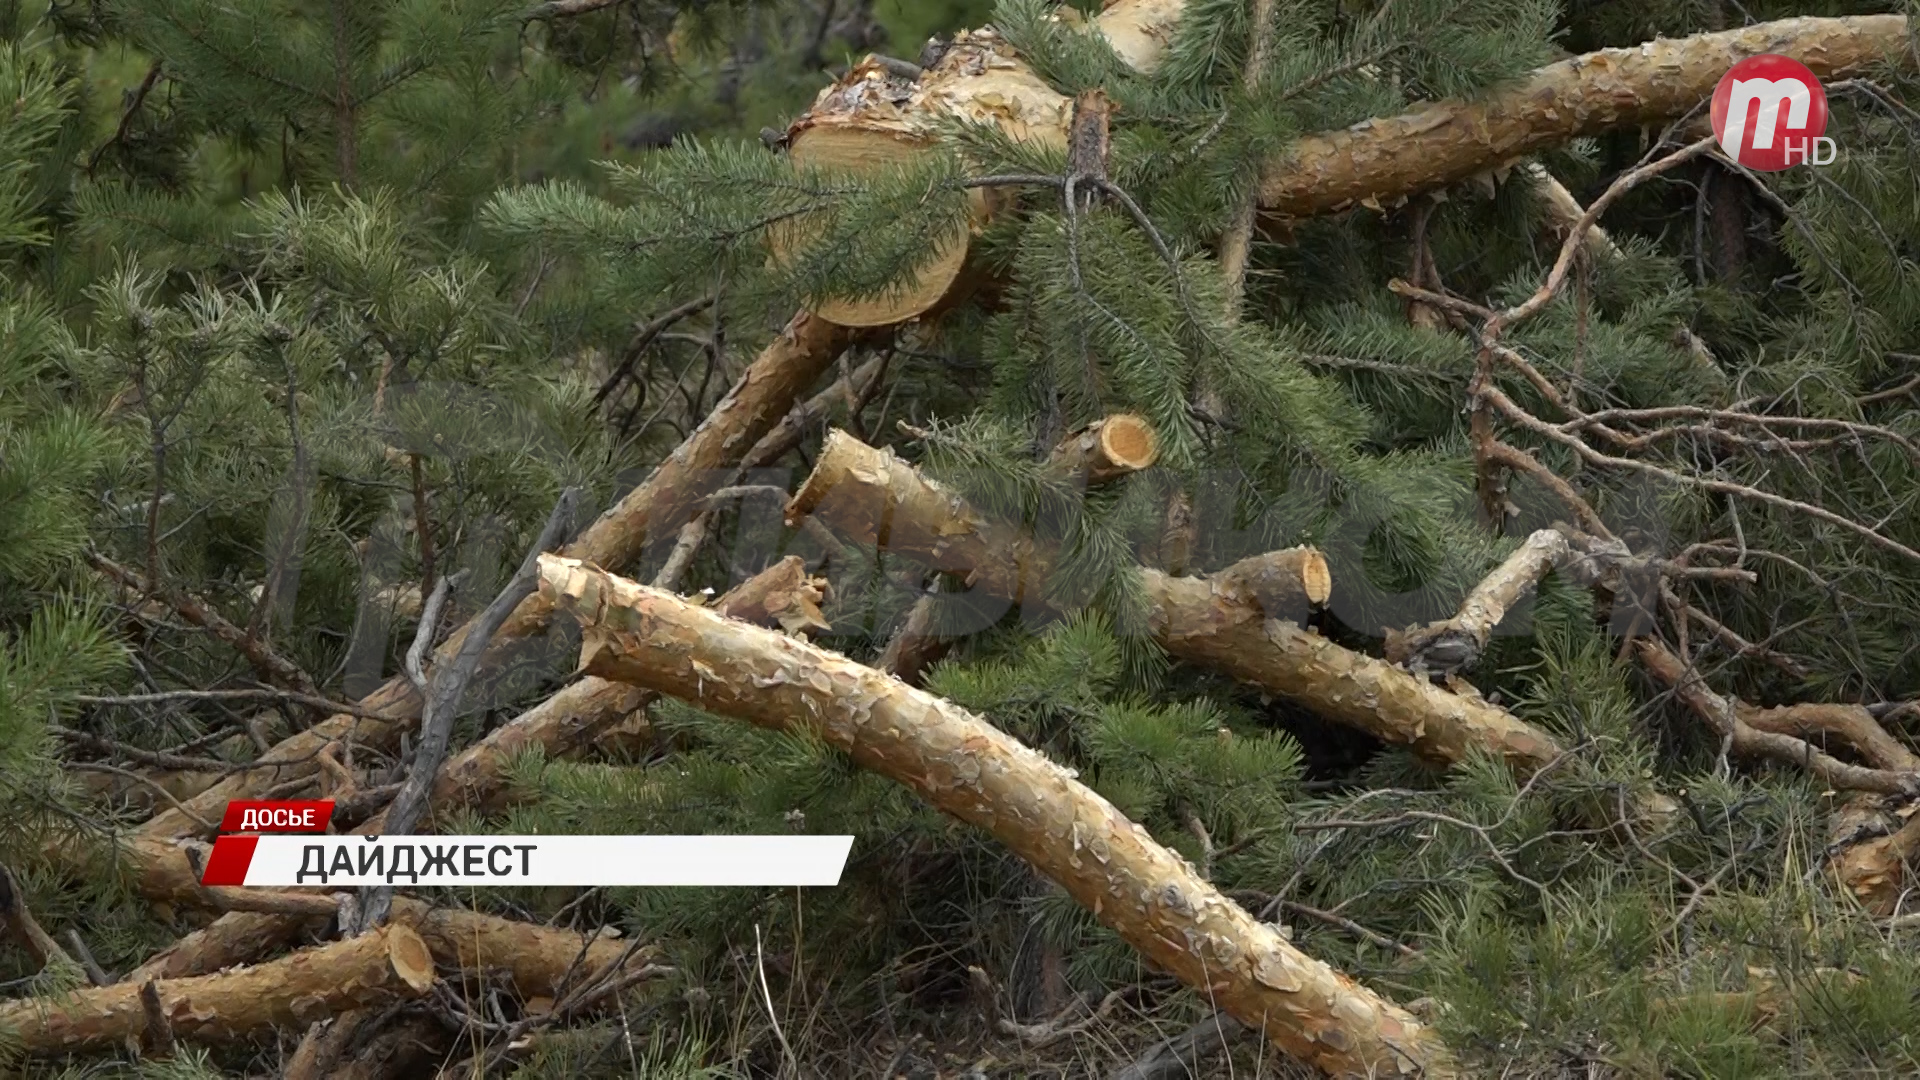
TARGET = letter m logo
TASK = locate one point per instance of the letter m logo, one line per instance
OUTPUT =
(1780, 100)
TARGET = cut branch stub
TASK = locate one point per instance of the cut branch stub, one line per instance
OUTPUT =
(973, 771)
(873, 119)
(1239, 621)
(1456, 643)
(1107, 449)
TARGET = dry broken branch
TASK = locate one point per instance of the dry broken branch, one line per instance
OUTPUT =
(267, 661)
(1728, 720)
(1455, 644)
(969, 769)
(448, 685)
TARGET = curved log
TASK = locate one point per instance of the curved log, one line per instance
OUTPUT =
(967, 768)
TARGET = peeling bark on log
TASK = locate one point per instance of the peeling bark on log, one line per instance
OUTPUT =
(872, 119)
(1880, 872)
(1107, 449)
(1730, 721)
(387, 964)
(655, 509)
(1378, 162)
(1456, 644)
(973, 771)
(1235, 621)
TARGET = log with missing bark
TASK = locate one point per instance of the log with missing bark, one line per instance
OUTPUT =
(654, 510)
(971, 770)
(1240, 621)
(389, 964)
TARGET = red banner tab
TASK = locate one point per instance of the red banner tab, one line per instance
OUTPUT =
(277, 815)
(229, 861)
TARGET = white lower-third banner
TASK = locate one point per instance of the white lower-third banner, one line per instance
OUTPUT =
(527, 860)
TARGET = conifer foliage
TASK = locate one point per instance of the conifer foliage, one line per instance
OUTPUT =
(1492, 653)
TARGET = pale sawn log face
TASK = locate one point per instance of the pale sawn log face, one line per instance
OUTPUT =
(1106, 450)
(971, 770)
(372, 969)
(783, 371)
(1240, 621)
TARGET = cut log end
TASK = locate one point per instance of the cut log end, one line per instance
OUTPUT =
(1129, 442)
(1107, 449)
(837, 452)
(410, 957)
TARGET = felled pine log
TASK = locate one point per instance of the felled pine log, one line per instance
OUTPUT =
(656, 508)
(387, 965)
(540, 960)
(1241, 621)
(875, 116)
(967, 768)
(1107, 449)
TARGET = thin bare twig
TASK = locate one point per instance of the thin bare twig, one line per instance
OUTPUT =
(443, 696)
